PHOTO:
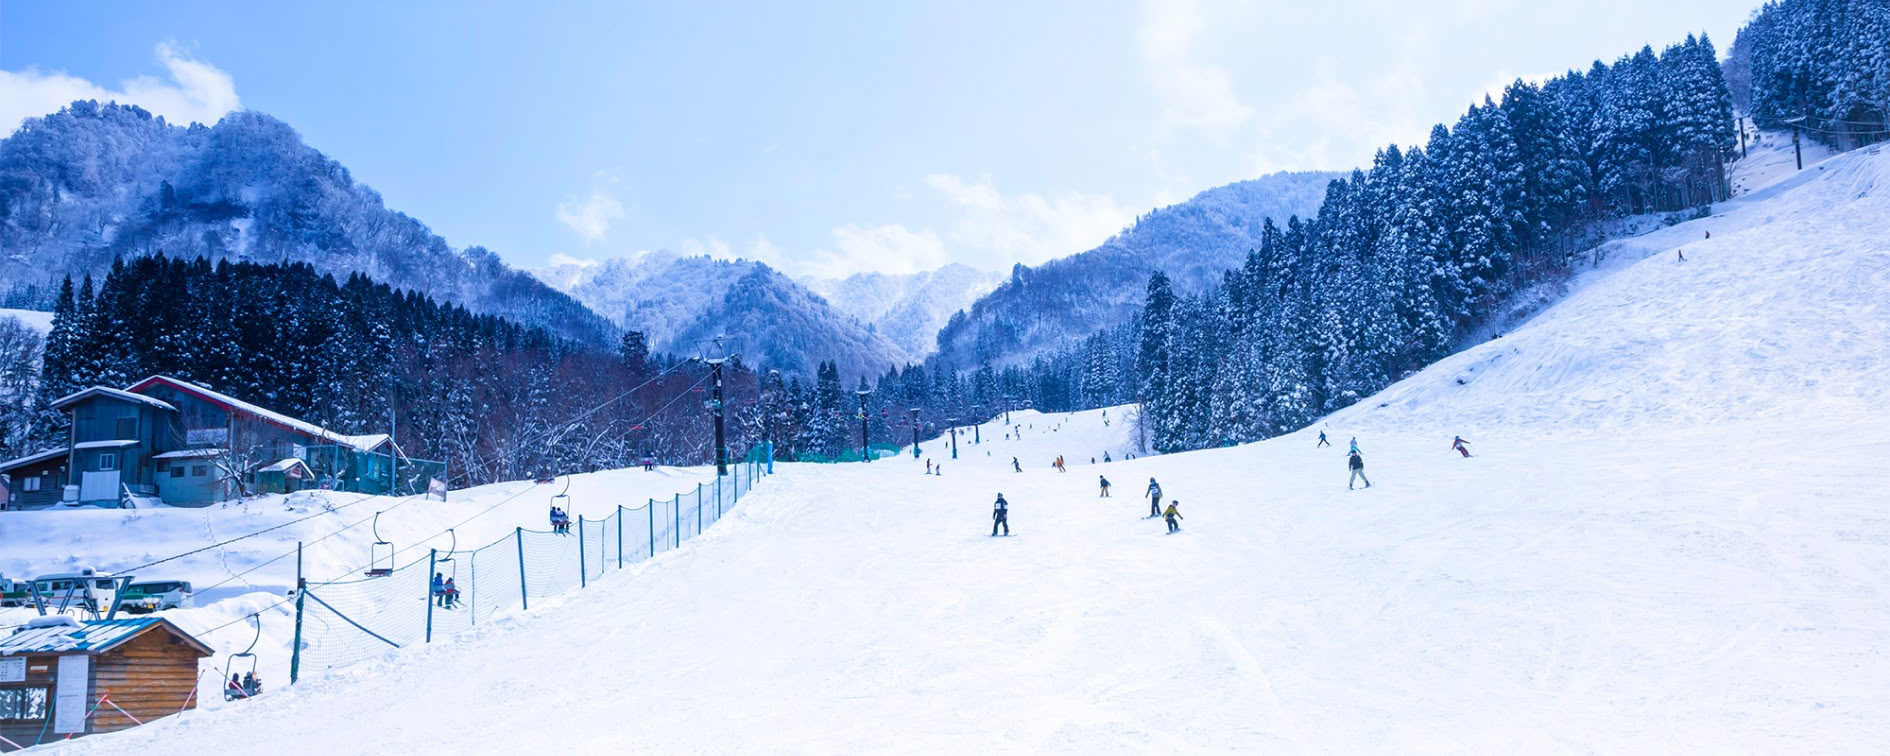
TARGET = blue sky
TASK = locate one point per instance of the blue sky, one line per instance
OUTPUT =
(823, 138)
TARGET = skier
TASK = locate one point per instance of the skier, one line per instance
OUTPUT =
(1354, 445)
(1458, 444)
(439, 589)
(1681, 253)
(1015, 467)
(449, 595)
(1154, 498)
(1171, 514)
(1105, 487)
(1000, 516)
(1322, 440)
(928, 467)
(1357, 464)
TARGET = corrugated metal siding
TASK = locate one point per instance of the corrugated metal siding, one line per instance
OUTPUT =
(88, 636)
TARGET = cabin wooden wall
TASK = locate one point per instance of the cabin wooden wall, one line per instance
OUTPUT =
(153, 675)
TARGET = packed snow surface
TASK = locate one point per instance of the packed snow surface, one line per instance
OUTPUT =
(1672, 537)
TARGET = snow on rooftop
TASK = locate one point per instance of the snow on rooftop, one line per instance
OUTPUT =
(272, 416)
(114, 393)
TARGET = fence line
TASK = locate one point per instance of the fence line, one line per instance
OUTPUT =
(347, 621)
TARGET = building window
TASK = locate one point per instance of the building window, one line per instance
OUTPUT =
(177, 471)
(198, 471)
(127, 428)
(23, 704)
(107, 461)
(29, 483)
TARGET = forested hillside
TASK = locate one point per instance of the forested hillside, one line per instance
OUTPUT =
(1063, 301)
(92, 183)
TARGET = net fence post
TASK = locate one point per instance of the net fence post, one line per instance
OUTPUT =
(650, 509)
(583, 581)
(433, 562)
(301, 587)
(675, 521)
(698, 509)
(620, 536)
(524, 600)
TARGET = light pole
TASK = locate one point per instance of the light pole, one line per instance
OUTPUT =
(915, 433)
(866, 451)
(954, 422)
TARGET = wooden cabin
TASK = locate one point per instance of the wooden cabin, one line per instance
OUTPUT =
(62, 678)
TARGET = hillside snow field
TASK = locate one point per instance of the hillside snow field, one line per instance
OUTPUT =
(1673, 536)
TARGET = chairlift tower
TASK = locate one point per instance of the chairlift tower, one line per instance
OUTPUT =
(866, 449)
(715, 352)
(954, 424)
(915, 433)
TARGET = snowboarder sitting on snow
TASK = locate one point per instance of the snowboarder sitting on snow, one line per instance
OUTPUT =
(1171, 514)
(1357, 464)
(1154, 498)
(1106, 456)
(1000, 515)
(1105, 486)
(1458, 444)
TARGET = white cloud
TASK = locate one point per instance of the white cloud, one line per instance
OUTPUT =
(994, 230)
(591, 216)
(1331, 124)
(1194, 94)
(195, 92)
(885, 248)
(559, 259)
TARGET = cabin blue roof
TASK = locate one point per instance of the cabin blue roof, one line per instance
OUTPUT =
(90, 637)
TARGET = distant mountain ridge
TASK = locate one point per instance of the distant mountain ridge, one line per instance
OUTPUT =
(679, 300)
(1062, 301)
(93, 182)
(908, 308)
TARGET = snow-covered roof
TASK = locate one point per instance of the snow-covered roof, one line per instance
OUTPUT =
(189, 454)
(32, 459)
(64, 637)
(112, 444)
(283, 466)
(369, 442)
(237, 405)
(61, 402)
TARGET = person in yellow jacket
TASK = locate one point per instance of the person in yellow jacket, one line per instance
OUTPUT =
(1171, 514)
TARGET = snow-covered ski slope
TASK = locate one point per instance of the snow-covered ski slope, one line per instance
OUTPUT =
(1673, 537)
(253, 574)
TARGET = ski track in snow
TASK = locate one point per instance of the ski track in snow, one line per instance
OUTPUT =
(1672, 538)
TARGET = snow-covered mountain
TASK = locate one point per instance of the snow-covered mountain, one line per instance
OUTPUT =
(678, 300)
(1062, 301)
(908, 309)
(94, 182)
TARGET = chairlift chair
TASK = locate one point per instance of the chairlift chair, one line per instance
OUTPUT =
(380, 553)
(251, 685)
